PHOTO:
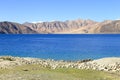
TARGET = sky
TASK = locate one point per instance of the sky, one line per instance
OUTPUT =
(48, 10)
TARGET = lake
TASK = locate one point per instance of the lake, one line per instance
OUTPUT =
(60, 46)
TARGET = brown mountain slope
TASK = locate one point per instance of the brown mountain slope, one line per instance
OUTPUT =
(14, 28)
(58, 27)
(110, 27)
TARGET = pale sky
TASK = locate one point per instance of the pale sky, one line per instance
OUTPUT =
(49, 10)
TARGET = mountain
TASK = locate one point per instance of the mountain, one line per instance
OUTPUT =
(108, 27)
(14, 28)
(58, 27)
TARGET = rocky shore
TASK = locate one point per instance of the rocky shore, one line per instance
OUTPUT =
(111, 64)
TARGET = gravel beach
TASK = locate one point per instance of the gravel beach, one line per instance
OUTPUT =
(111, 64)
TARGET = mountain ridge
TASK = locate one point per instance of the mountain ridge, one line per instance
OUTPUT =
(14, 28)
(78, 26)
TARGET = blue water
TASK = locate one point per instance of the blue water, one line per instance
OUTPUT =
(61, 47)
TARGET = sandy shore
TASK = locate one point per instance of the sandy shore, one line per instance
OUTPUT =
(111, 64)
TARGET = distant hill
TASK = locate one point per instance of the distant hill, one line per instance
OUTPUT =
(108, 27)
(14, 28)
(57, 27)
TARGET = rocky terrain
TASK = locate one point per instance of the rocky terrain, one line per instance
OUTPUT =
(58, 27)
(105, 64)
(61, 27)
(19, 68)
(14, 28)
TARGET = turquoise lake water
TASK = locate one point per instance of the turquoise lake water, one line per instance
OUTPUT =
(61, 46)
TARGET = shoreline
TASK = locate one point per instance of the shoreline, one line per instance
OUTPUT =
(110, 64)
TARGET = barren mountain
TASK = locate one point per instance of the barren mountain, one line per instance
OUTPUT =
(58, 27)
(14, 28)
(108, 27)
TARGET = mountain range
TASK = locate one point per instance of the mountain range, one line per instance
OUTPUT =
(58, 27)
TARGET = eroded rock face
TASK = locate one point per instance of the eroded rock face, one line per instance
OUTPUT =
(111, 27)
(76, 27)
(57, 27)
(14, 28)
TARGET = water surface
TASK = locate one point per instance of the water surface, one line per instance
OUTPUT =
(61, 46)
